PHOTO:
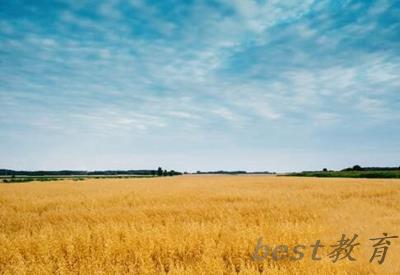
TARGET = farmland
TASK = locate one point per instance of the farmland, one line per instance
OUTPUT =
(194, 224)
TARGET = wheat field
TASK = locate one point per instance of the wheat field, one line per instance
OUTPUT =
(193, 225)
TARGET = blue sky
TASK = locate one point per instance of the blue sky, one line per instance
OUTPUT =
(188, 85)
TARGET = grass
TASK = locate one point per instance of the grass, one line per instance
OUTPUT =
(193, 224)
(350, 174)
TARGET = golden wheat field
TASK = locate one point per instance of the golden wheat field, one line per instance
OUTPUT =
(194, 225)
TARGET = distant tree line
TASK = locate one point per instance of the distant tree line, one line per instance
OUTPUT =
(353, 172)
(359, 168)
(163, 173)
(158, 172)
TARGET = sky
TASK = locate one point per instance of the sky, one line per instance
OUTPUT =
(199, 85)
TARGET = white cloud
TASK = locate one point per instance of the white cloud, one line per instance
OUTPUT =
(108, 9)
(379, 7)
